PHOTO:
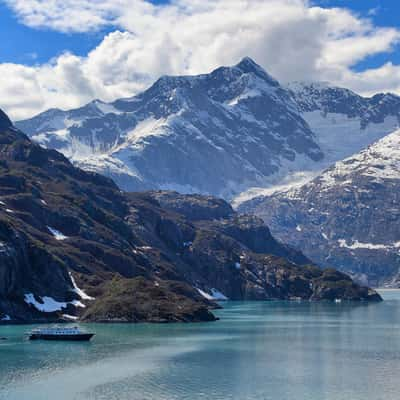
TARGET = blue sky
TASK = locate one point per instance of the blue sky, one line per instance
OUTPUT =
(383, 13)
(31, 46)
(64, 53)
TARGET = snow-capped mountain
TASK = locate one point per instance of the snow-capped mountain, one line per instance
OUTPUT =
(220, 133)
(343, 123)
(348, 216)
(217, 133)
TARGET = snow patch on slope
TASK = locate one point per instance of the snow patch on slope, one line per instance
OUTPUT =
(358, 245)
(340, 136)
(215, 295)
(106, 108)
(107, 164)
(79, 291)
(379, 161)
(245, 95)
(275, 185)
(147, 127)
(44, 138)
(70, 317)
(48, 304)
(370, 246)
(57, 234)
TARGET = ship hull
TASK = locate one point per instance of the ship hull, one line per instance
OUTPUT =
(84, 337)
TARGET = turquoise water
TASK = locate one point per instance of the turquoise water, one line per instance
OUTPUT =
(261, 350)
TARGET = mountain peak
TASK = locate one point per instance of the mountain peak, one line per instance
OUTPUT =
(248, 65)
(5, 122)
(248, 62)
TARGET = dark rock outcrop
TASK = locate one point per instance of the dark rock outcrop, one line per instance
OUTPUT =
(138, 300)
(5, 122)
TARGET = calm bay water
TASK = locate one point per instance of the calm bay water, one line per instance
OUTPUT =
(260, 350)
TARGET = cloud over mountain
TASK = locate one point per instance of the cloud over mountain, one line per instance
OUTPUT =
(191, 37)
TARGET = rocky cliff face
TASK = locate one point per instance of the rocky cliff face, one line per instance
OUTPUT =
(72, 245)
(5, 122)
(346, 217)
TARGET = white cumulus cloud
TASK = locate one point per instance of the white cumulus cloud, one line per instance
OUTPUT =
(292, 39)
